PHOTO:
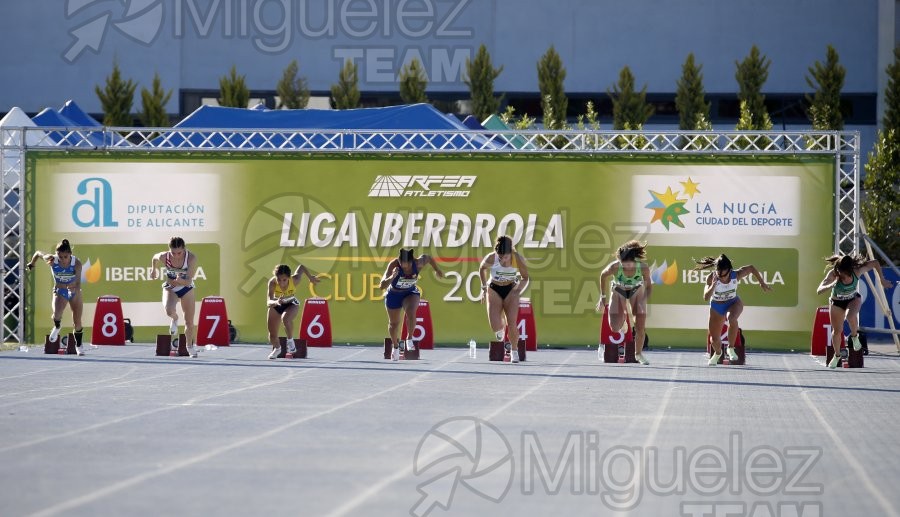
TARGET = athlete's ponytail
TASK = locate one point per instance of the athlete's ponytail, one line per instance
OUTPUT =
(722, 263)
(407, 255)
(845, 263)
(632, 250)
(64, 247)
(504, 245)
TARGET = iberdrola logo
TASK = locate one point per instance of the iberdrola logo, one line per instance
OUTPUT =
(664, 274)
(668, 207)
(90, 273)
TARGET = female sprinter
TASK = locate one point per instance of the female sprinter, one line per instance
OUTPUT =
(66, 271)
(402, 296)
(181, 266)
(508, 278)
(724, 303)
(842, 279)
(283, 304)
(628, 287)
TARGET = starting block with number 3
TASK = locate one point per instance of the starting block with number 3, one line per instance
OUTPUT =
(213, 326)
(109, 325)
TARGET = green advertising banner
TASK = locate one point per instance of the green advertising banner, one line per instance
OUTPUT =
(346, 217)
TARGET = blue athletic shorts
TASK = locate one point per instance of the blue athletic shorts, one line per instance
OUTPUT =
(394, 299)
(722, 307)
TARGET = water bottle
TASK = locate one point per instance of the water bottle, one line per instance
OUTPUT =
(23, 348)
(472, 349)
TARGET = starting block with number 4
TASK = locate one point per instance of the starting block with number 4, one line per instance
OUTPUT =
(497, 351)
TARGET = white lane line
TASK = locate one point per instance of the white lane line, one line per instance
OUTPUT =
(377, 488)
(132, 481)
(862, 475)
(167, 407)
(68, 364)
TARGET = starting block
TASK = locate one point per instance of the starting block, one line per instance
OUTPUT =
(164, 346)
(301, 349)
(618, 347)
(64, 344)
(849, 358)
(739, 347)
(404, 354)
(497, 351)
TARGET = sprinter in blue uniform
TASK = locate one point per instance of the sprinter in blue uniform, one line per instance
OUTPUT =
(66, 271)
(402, 295)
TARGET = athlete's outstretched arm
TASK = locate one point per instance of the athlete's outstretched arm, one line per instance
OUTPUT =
(523, 272)
(302, 270)
(392, 270)
(827, 282)
(874, 264)
(750, 269)
(428, 259)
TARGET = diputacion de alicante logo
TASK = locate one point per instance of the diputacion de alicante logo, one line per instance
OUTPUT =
(668, 207)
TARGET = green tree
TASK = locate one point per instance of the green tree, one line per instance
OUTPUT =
(413, 82)
(751, 75)
(746, 123)
(117, 98)
(881, 186)
(891, 120)
(827, 79)
(293, 91)
(154, 103)
(690, 98)
(629, 107)
(551, 75)
(345, 93)
(510, 118)
(480, 75)
(881, 210)
(233, 91)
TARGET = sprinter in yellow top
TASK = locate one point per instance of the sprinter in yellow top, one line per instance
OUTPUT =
(282, 302)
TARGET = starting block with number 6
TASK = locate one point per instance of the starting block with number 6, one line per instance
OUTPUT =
(109, 325)
(213, 326)
(164, 346)
(315, 325)
(301, 352)
(64, 345)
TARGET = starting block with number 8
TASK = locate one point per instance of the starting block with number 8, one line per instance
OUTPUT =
(64, 345)
(109, 325)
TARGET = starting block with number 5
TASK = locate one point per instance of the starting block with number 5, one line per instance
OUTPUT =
(315, 325)
(109, 325)
(213, 326)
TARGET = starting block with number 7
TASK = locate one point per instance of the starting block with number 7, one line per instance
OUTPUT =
(109, 325)
(213, 326)
(164, 346)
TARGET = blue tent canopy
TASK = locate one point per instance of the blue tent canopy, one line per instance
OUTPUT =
(381, 121)
(71, 115)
